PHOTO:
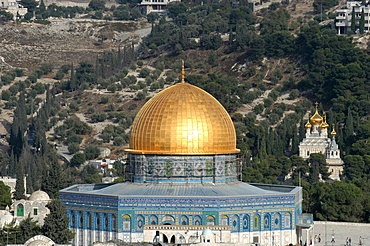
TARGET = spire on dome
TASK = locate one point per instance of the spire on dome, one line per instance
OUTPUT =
(316, 118)
(183, 72)
(333, 132)
(324, 124)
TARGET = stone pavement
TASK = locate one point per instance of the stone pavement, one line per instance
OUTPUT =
(342, 230)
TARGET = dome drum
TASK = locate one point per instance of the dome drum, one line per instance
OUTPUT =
(189, 169)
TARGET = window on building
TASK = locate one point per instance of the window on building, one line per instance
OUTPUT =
(35, 211)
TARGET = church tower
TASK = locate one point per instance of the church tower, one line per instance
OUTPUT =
(318, 141)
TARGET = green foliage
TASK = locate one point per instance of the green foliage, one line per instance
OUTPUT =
(324, 5)
(175, 9)
(73, 148)
(77, 160)
(56, 223)
(97, 4)
(28, 229)
(5, 196)
(5, 16)
(92, 152)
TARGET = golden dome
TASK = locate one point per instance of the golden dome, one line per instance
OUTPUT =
(333, 132)
(308, 125)
(316, 118)
(183, 120)
(324, 124)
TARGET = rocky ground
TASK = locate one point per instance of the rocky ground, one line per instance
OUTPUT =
(64, 41)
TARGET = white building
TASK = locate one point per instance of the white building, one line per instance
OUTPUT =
(343, 20)
(155, 6)
(317, 141)
(35, 207)
(13, 7)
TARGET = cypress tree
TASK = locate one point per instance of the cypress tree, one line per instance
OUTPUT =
(72, 80)
(362, 21)
(348, 128)
(19, 185)
(353, 20)
(295, 140)
(56, 223)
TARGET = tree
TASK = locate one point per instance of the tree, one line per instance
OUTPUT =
(28, 228)
(54, 178)
(29, 4)
(97, 4)
(5, 196)
(56, 223)
(92, 152)
(4, 17)
(318, 167)
(175, 9)
(362, 22)
(353, 20)
(77, 160)
(19, 185)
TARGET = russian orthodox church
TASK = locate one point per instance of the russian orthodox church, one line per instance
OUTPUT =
(317, 140)
(183, 184)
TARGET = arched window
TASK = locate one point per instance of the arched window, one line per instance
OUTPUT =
(168, 220)
(246, 223)
(256, 222)
(114, 222)
(20, 210)
(287, 220)
(210, 220)
(235, 223)
(140, 222)
(225, 220)
(277, 221)
(184, 220)
(81, 225)
(197, 220)
(153, 220)
(267, 222)
(126, 222)
(106, 222)
(89, 221)
(73, 220)
(98, 222)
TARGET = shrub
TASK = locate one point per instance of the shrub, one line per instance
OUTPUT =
(92, 152)
(144, 72)
(73, 148)
(98, 117)
(104, 100)
(77, 160)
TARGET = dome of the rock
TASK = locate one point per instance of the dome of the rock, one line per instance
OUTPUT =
(183, 120)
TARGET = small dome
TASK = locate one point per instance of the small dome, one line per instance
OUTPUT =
(324, 125)
(333, 133)
(207, 233)
(308, 125)
(39, 196)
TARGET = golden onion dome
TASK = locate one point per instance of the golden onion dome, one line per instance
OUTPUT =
(333, 132)
(324, 125)
(316, 118)
(308, 125)
(183, 120)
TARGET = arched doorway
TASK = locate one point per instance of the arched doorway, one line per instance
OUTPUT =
(165, 239)
(173, 239)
